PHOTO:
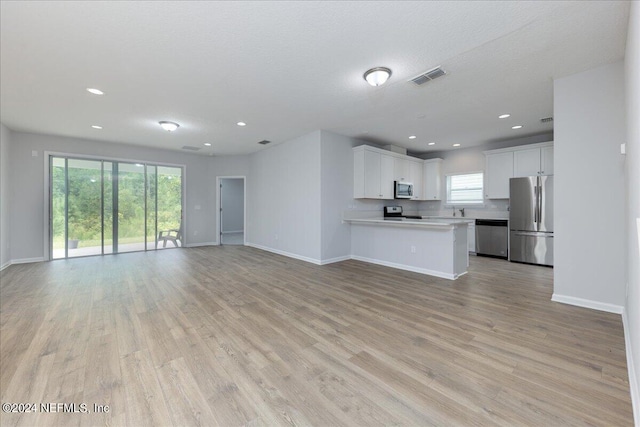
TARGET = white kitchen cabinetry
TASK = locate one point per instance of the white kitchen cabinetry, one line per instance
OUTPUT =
(546, 160)
(374, 171)
(534, 161)
(498, 172)
(432, 181)
(372, 175)
(415, 169)
(506, 163)
(401, 170)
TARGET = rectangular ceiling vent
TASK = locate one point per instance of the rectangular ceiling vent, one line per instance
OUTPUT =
(546, 120)
(264, 142)
(428, 76)
(190, 148)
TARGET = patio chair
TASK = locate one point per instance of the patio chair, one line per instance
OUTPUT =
(170, 235)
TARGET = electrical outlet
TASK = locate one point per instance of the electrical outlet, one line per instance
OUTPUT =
(413, 249)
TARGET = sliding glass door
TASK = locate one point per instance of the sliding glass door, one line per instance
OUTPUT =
(102, 207)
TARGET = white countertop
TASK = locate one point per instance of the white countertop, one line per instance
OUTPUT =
(406, 222)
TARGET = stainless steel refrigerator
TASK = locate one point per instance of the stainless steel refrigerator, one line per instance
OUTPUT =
(531, 219)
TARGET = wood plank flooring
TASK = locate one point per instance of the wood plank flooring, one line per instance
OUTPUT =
(237, 336)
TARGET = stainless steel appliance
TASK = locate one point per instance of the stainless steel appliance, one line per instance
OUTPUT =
(531, 219)
(492, 238)
(402, 190)
(395, 213)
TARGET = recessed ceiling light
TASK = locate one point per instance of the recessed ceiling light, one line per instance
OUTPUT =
(412, 137)
(95, 91)
(169, 126)
(208, 144)
(96, 127)
(504, 116)
(431, 143)
(241, 124)
(377, 76)
(456, 145)
(516, 127)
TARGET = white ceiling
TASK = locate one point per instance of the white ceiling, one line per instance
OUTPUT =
(288, 68)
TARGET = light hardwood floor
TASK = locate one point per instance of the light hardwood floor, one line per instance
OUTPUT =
(237, 336)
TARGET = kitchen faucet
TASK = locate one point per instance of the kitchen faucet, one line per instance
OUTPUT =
(461, 212)
(454, 211)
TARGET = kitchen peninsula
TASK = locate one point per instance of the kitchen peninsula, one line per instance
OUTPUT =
(437, 247)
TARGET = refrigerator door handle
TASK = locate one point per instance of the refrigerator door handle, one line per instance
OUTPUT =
(539, 205)
(535, 209)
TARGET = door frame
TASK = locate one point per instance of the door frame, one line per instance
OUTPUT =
(219, 206)
(47, 187)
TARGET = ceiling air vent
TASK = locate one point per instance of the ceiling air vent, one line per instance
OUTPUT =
(264, 142)
(428, 76)
(546, 120)
(190, 148)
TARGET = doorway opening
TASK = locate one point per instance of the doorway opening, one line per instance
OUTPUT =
(99, 207)
(231, 203)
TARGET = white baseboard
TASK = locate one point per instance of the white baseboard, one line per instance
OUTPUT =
(595, 305)
(408, 268)
(5, 265)
(336, 259)
(27, 260)
(197, 245)
(285, 253)
(631, 369)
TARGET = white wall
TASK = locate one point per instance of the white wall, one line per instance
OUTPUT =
(590, 231)
(632, 309)
(27, 212)
(5, 197)
(337, 193)
(473, 160)
(232, 200)
(283, 198)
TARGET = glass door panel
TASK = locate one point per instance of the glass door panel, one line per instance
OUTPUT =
(84, 207)
(58, 207)
(107, 207)
(103, 207)
(169, 206)
(152, 207)
(131, 207)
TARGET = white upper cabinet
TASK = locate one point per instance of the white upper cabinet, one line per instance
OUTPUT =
(415, 168)
(499, 170)
(506, 163)
(372, 175)
(374, 171)
(546, 161)
(432, 181)
(534, 161)
(401, 169)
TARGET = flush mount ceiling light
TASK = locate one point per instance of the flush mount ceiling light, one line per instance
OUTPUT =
(96, 127)
(241, 124)
(412, 137)
(169, 126)
(377, 76)
(516, 127)
(504, 116)
(95, 91)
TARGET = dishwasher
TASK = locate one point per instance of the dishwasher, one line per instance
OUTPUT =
(492, 238)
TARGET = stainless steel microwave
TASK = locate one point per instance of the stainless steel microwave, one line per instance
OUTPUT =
(402, 190)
